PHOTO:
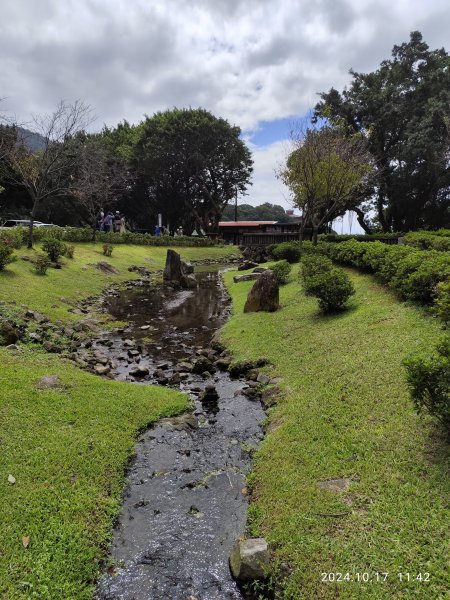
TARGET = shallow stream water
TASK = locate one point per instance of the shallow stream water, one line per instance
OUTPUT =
(185, 503)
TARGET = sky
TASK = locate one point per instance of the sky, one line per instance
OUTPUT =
(258, 63)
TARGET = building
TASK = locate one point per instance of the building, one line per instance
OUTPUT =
(259, 233)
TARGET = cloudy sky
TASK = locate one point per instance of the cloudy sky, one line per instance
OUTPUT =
(258, 63)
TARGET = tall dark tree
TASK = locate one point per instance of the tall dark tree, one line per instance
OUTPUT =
(192, 164)
(402, 108)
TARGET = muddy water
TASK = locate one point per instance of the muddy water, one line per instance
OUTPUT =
(185, 503)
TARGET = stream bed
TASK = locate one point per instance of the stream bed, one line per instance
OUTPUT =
(185, 502)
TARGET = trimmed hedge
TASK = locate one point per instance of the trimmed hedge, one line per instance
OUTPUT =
(413, 274)
(289, 251)
(428, 240)
(332, 289)
(360, 237)
(281, 270)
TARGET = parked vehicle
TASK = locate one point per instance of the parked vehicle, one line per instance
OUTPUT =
(24, 223)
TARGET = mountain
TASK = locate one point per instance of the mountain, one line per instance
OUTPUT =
(34, 141)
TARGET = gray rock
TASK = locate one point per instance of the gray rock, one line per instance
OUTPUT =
(247, 264)
(184, 366)
(263, 379)
(101, 369)
(49, 382)
(264, 295)
(246, 277)
(249, 559)
(139, 371)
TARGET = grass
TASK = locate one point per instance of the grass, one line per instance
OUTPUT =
(67, 448)
(78, 279)
(344, 411)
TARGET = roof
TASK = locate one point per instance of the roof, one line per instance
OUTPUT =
(245, 223)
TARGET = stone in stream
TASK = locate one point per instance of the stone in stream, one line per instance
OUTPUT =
(264, 295)
(175, 273)
(249, 559)
(101, 369)
(139, 371)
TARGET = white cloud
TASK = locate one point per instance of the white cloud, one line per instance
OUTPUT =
(266, 186)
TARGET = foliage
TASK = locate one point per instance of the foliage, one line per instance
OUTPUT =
(314, 264)
(262, 212)
(442, 302)
(289, 251)
(13, 236)
(428, 240)
(69, 251)
(281, 270)
(429, 381)
(334, 237)
(332, 289)
(41, 264)
(107, 249)
(54, 248)
(324, 172)
(414, 274)
(190, 165)
(402, 110)
(6, 252)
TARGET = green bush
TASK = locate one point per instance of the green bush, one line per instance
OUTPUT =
(332, 288)
(428, 240)
(314, 264)
(54, 248)
(429, 382)
(289, 251)
(442, 303)
(107, 249)
(12, 236)
(69, 251)
(6, 251)
(41, 264)
(282, 270)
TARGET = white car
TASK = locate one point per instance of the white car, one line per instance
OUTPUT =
(24, 223)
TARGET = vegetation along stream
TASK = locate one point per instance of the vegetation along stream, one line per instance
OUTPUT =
(185, 502)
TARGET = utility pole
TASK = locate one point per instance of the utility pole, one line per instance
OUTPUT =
(235, 205)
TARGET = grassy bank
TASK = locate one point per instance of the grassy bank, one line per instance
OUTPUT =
(67, 448)
(344, 412)
(55, 292)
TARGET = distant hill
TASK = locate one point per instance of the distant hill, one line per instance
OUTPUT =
(263, 212)
(34, 141)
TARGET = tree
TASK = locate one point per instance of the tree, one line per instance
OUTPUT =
(98, 178)
(44, 173)
(262, 212)
(402, 109)
(324, 172)
(192, 164)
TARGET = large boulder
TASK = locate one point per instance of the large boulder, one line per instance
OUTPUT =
(264, 295)
(177, 271)
(246, 277)
(249, 559)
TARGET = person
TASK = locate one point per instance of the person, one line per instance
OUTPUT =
(108, 222)
(117, 221)
(122, 225)
(157, 231)
(100, 219)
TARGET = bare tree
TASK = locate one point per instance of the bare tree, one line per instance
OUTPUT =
(98, 179)
(43, 173)
(324, 172)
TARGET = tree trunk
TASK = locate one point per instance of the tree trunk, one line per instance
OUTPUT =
(360, 216)
(30, 229)
(315, 233)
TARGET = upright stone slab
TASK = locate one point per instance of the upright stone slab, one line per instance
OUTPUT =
(172, 270)
(264, 295)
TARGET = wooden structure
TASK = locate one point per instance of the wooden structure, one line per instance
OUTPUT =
(259, 233)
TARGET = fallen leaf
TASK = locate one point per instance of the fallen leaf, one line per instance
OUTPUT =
(26, 541)
(244, 491)
(11, 479)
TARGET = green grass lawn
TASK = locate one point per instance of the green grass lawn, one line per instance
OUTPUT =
(344, 412)
(67, 448)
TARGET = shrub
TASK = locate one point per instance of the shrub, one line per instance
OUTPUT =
(442, 303)
(107, 249)
(332, 288)
(289, 251)
(41, 264)
(314, 264)
(54, 248)
(69, 251)
(12, 236)
(282, 270)
(428, 240)
(270, 250)
(6, 250)
(418, 277)
(429, 382)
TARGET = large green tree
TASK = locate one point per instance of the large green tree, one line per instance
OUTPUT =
(402, 108)
(191, 164)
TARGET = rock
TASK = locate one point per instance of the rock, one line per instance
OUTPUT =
(163, 365)
(223, 363)
(269, 396)
(203, 364)
(259, 270)
(188, 281)
(184, 366)
(246, 277)
(249, 559)
(172, 269)
(139, 371)
(175, 379)
(89, 325)
(247, 264)
(105, 267)
(35, 316)
(8, 334)
(264, 295)
(51, 347)
(263, 379)
(12, 347)
(49, 382)
(101, 369)
(187, 268)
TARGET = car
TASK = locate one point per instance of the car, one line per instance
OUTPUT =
(24, 223)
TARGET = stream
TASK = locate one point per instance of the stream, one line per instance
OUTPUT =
(185, 502)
